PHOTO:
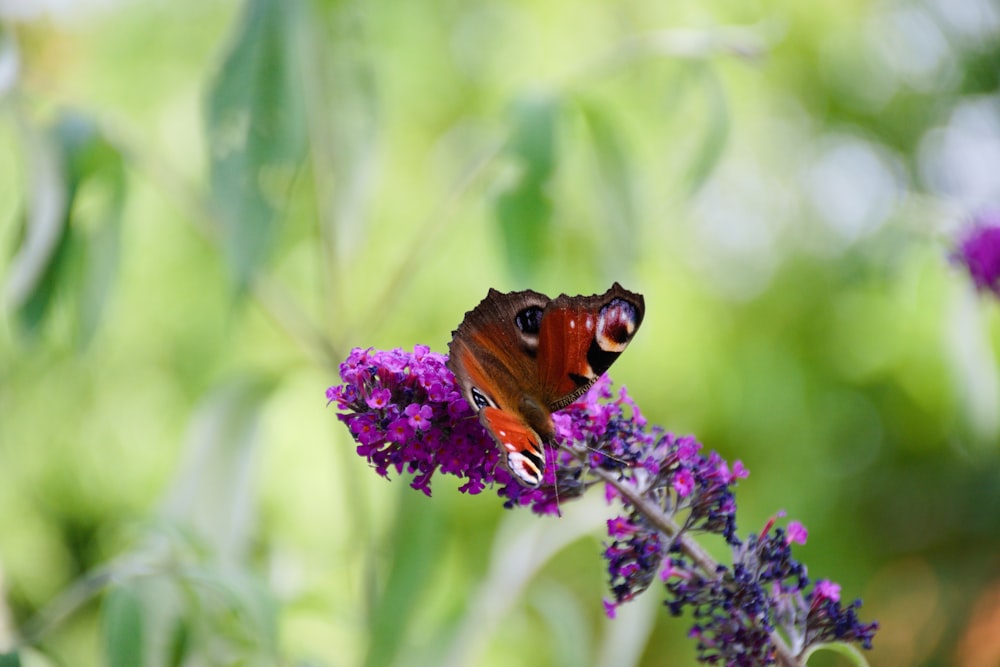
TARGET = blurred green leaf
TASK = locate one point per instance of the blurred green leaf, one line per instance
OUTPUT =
(37, 263)
(237, 606)
(562, 612)
(418, 545)
(615, 186)
(524, 209)
(344, 117)
(848, 651)
(97, 188)
(68, 248)
(180, 643)
(123, 628)
(525, 215)
(716, 130)
(214, 490)
(10, 659)
(256, 130)
(533, 136)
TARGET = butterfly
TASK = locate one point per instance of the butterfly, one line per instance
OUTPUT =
(520, 356)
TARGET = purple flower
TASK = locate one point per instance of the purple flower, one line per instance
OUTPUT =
(797, 532)
(399, 431)
(419, 416)
(826, 590)
(378, 399)
(620, 527)
(979, 251)
(683, 483)
(406, 413)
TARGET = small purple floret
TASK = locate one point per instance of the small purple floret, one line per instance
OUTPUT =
(979, 251)
(797, 532)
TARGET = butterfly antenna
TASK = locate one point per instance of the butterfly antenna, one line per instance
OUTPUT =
(603, 453)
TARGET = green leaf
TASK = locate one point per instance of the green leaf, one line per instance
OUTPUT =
(123, 628)
(524, 209)
(39, 260)
(716, 131)
(96, 175)
(238, 607)
(419, 539)
(256, 131)
(70, 246)
(179, 645)
(533, 137)
(10, 659)
(525, 216)
(564, 617)
(615, 188)
(213, 491)
(849, 651)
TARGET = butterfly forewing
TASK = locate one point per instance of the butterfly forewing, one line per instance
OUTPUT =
(581, 337)
(489, 352)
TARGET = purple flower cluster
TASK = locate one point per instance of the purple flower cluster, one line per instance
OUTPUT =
(979, 251)
(736, 610)
(406, 413)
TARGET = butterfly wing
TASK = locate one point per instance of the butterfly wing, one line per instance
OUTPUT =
(580, 337)
(521, 444)
(492, 354)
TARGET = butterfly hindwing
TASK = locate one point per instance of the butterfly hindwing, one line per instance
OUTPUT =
(493, 351)
(521, 445)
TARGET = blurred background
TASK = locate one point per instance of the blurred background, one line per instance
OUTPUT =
(205, 205)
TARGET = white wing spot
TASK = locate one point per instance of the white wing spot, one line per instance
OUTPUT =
(572, 324)
(503, 434)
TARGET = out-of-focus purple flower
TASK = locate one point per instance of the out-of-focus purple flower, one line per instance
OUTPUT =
(407, 414)
(979, 251)
(826, 590)
(797, 532)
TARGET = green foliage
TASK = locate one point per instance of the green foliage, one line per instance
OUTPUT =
(71, 226)
(778, 179)
(616, 185)
(524, 209)
(417, 546)
(123, 629)
(255, 127)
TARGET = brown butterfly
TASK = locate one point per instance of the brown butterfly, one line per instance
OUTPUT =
(520, 356)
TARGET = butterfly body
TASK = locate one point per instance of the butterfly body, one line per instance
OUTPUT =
(519, 356)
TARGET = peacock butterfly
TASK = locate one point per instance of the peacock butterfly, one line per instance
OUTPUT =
(519, 356)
